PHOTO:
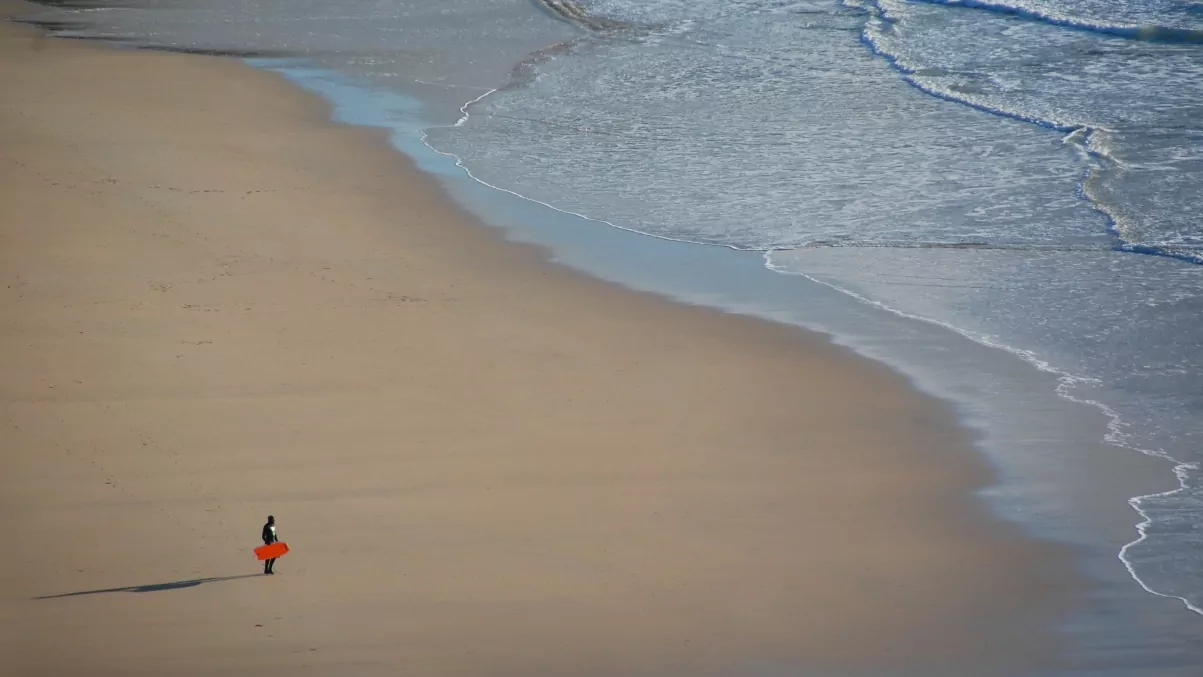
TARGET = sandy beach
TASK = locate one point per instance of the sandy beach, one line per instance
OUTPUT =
(218, 305)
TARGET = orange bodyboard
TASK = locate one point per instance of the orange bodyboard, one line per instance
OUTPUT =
(271, 551)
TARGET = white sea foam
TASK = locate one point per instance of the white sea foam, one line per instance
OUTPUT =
(1119, 431)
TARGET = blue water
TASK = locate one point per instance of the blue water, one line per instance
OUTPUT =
(859, 142)
(1023, 175)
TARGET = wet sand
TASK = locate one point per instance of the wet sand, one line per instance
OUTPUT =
(217, 304)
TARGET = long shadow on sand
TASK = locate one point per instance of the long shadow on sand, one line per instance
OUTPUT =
(154, 587)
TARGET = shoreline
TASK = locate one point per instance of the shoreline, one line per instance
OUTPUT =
(1042, 474)
(462, 268)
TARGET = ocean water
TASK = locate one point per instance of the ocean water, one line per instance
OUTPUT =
(1024, 178)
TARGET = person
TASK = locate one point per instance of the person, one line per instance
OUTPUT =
(269, 537)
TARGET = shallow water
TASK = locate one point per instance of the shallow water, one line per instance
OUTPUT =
(865, 139)
(866, 143)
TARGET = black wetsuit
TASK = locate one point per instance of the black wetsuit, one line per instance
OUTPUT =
(269, 537)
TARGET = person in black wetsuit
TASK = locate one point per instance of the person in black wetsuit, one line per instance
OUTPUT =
(269, 537)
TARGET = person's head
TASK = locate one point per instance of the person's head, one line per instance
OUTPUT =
(271, 519)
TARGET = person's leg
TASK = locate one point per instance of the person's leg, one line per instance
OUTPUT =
(271, 563)
(267, 566)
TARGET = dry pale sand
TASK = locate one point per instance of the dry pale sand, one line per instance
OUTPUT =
(216, 304)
